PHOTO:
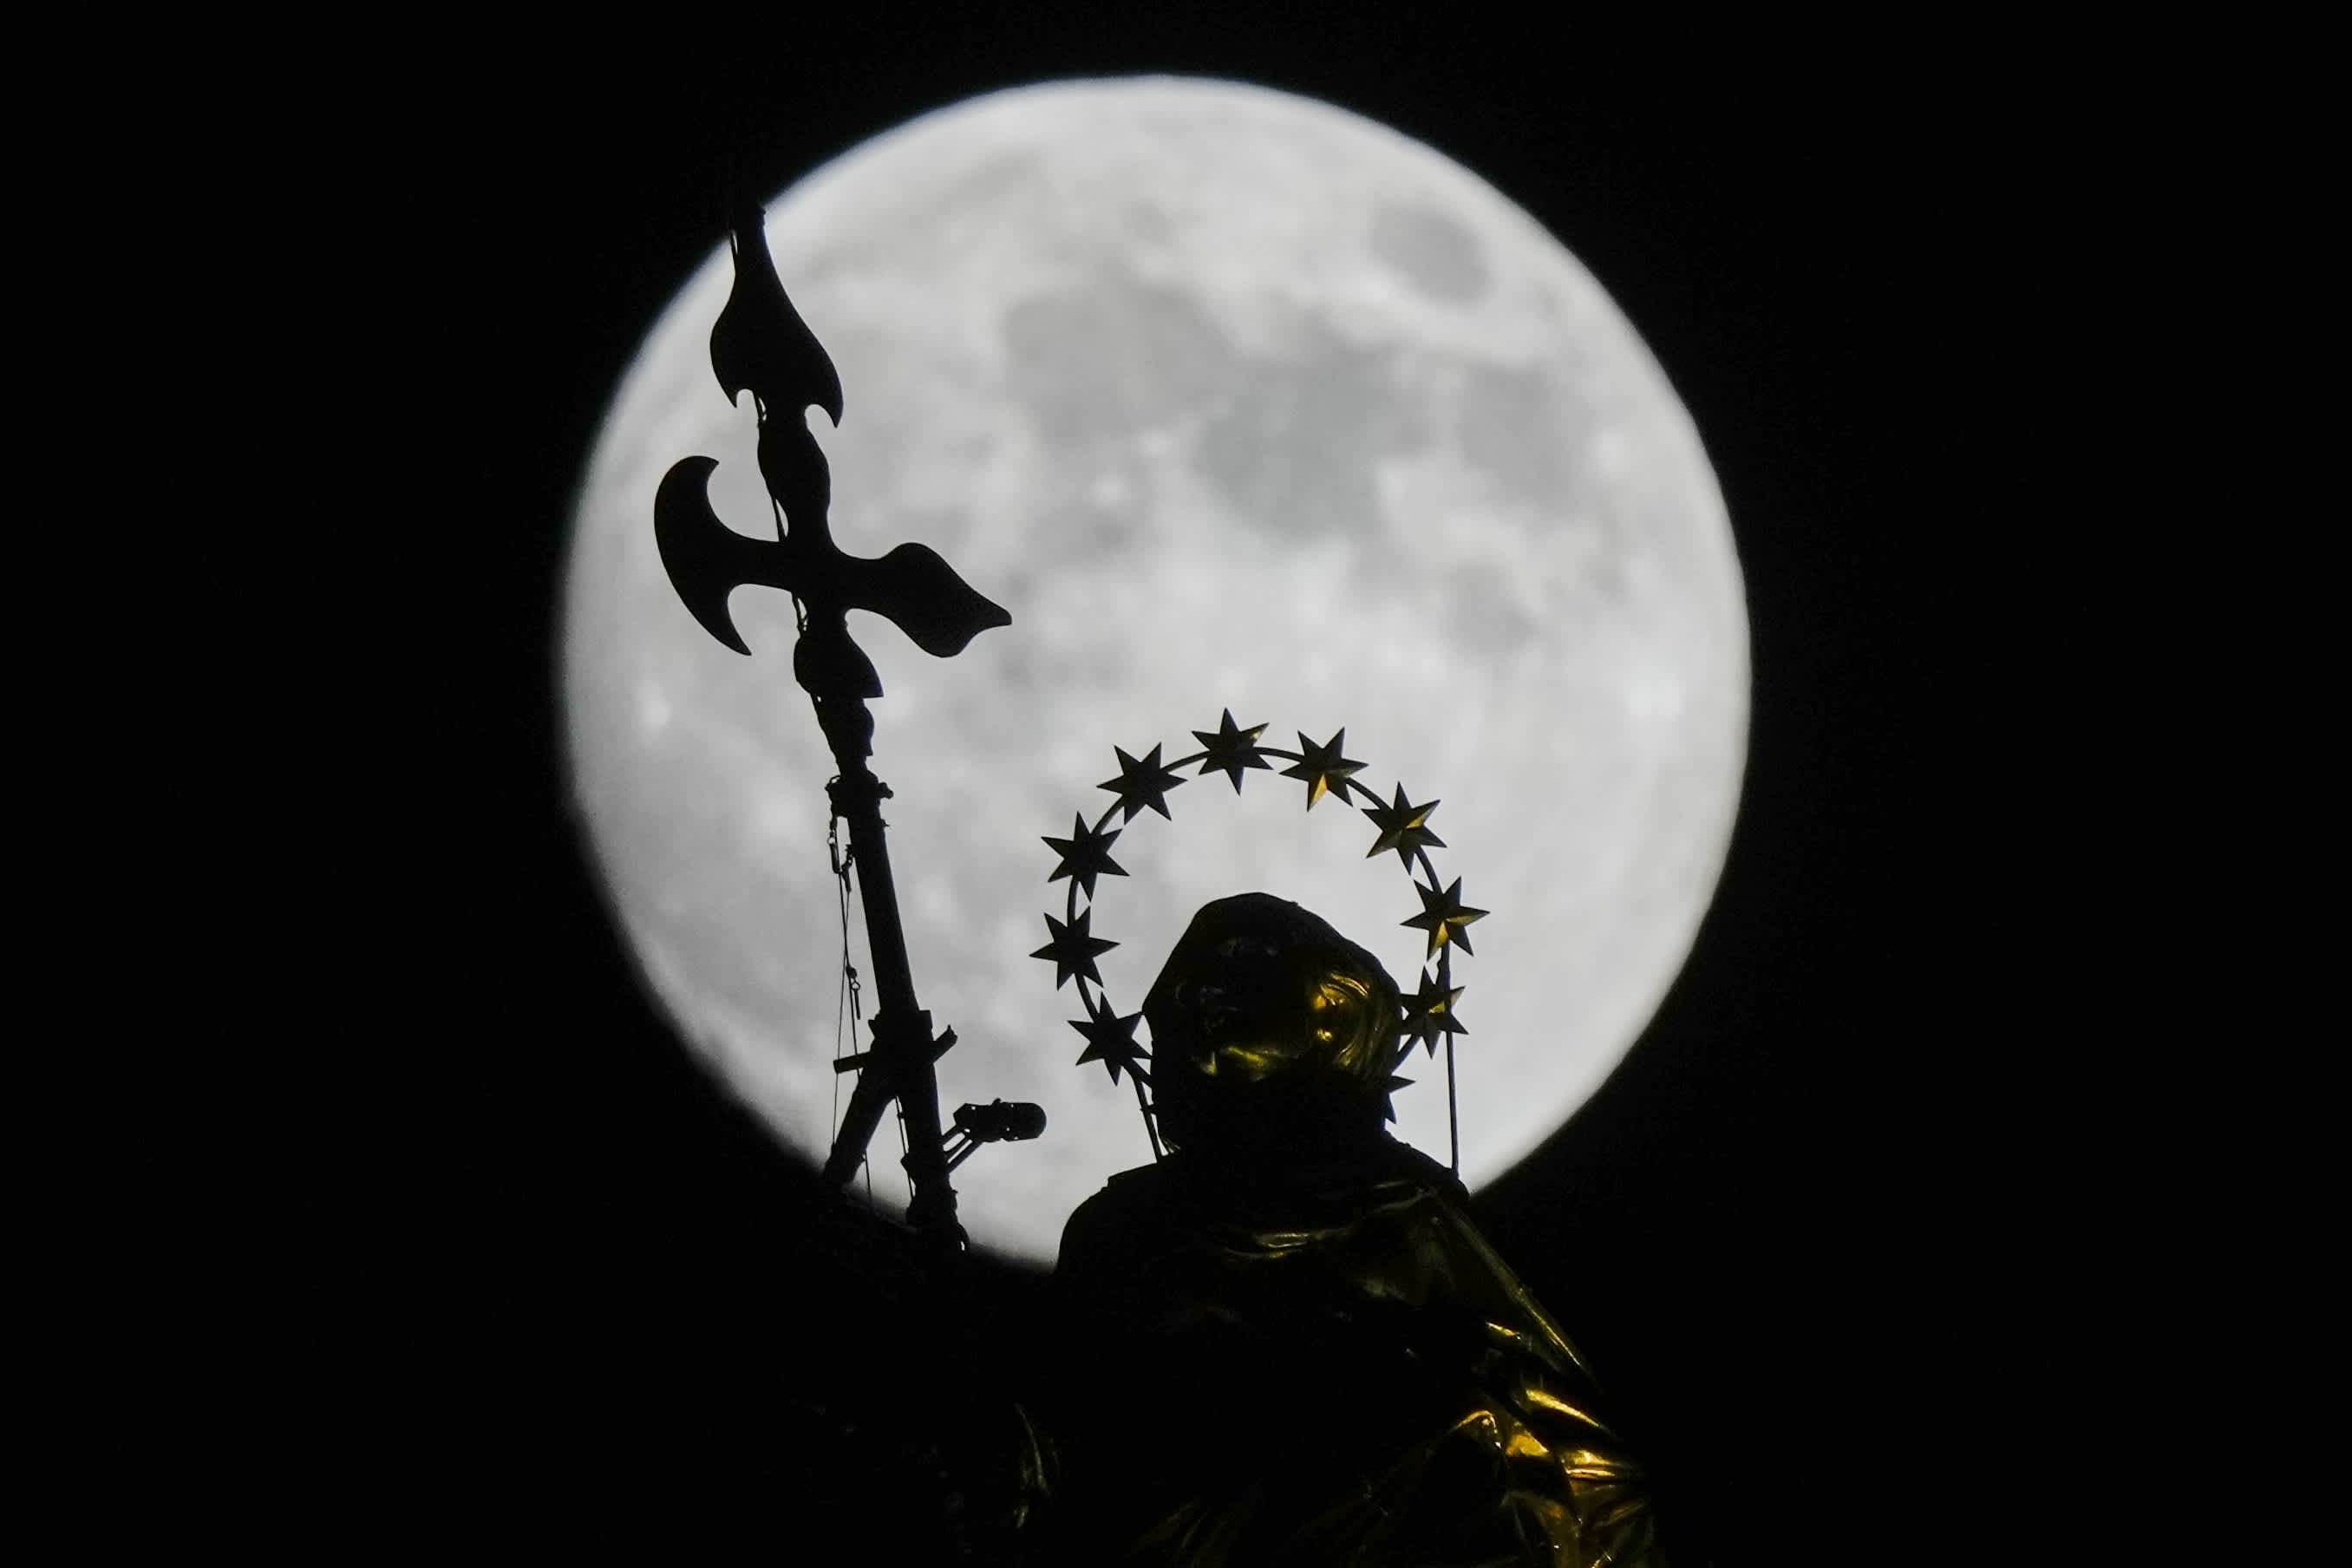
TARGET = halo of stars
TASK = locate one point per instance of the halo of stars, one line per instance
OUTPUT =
(1430, 1015)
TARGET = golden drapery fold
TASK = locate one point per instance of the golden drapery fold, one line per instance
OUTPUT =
(1321, 1362)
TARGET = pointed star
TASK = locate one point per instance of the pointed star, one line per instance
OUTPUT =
(1141, 783)
(1444, 916)
(1074, 948)
(1395, 1084)
(1322, 766)
(1111, 1038)
(1429, 1011)
(1231, 748)
(1403, 829)
(1086, 855)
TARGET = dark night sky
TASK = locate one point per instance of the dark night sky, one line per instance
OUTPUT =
(574, 1278)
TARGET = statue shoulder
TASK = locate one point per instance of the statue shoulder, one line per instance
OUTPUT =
(1127, 1191)
(1129, 1207)
(1409, 1164)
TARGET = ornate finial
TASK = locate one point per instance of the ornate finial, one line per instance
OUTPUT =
(761, 345)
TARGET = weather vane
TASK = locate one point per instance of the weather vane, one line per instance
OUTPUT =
(759, 344)
(1429, 1013)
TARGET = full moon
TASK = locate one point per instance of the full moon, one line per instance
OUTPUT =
(1235, 401)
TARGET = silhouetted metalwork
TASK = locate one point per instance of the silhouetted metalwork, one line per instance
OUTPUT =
(1431, 1014)
(998, 1122)
(759, 344)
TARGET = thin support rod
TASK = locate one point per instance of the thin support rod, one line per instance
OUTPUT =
(1453, 1121)
(1150, 1126)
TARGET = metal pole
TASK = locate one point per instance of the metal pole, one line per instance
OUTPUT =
(904, 1050)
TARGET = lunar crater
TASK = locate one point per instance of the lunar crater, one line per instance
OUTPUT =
(1114, 357)
(1511, 423)
(1296, 451)
(1435, 255)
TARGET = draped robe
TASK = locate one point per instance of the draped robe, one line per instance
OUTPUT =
(1313, 1358)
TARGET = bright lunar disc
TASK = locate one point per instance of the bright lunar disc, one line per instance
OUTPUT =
(1233, 400)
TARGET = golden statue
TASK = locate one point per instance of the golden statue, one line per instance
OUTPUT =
(1287, 1342)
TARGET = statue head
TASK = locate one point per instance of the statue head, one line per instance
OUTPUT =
(1267, 1023)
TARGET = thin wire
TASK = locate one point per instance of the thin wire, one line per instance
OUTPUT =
(900, 1107)
(841, 997)
(850, 991)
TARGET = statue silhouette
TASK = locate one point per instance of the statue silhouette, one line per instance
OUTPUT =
(1286, 1342)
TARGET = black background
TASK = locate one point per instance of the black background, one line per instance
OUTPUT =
(574, 1281)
